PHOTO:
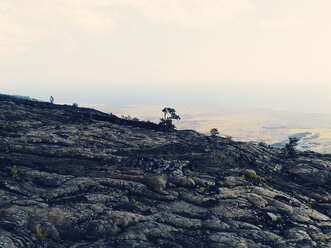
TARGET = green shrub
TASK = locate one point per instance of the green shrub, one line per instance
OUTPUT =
(214, 132)
(321, 239)
(128, 117)
(250, 174)
(57, 126)
(308, 205)
(40, 234)
(166, 121)
(290, 146)
(202, 189)
(271, 179)
(13, 171)
(169, 156)
(263, 144)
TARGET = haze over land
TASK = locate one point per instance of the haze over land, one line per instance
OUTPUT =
(270, 126)
(233, 53)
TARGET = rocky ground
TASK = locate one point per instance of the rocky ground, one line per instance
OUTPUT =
(72, 177)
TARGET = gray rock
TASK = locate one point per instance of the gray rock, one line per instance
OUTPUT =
(88, 179)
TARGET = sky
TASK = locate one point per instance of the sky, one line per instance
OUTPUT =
(241, 53)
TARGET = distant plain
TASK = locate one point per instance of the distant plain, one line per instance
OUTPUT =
(251, 125)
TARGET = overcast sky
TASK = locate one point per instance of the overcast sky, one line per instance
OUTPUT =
(256, 53)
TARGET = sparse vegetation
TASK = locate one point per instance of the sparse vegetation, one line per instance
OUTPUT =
(229, 138)
(40, 234)
(13, 171)
(18, 97)
(166, 121)
(308, 205)
(271, 179)
(169, 156)
(126, 117)
(129, 118)
(321, 239)
(202, 189)
(263, 144)
(103, 152)
(290, 146)
(214, 132)
(57, 126)
(134, 202)
(250, 174)
(247, 187)
(75, 105)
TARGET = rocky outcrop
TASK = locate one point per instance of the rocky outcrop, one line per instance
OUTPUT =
(71, 179)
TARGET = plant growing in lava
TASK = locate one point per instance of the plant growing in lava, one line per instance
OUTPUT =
(13, 171)
(290, 146)
(169, 115)
(40, 234)
(214, 132)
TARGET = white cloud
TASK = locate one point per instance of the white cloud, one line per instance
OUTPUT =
(193, 13)
(64, 39)
(93, 20)
(23, 24)
(14, 38)
(283, 23)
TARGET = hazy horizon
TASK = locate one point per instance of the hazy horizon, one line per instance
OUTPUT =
(211, 53)
(243, 124)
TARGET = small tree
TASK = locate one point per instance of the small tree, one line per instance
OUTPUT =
(166, 121)
(51, 99)
(290, 146)
(214, 132)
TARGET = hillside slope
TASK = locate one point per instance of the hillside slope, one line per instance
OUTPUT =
(72, 177)
(245, 124)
